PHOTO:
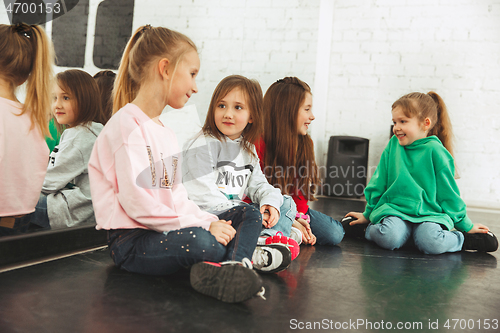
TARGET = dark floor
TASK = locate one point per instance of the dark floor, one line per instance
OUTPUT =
(354, 285)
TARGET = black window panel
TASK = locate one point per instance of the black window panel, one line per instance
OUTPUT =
(112, 32)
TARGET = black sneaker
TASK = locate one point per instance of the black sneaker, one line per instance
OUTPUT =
(480, 242)
(353, 231)
(229, 281)
(271, 258)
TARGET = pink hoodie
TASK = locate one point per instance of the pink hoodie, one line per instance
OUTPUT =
(23, 160)
(135, 177)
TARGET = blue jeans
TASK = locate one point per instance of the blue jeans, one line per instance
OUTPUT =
(393, 232)
(288, 210)
(36, 221)
(155, 253)
(40, 217)
(327, 230)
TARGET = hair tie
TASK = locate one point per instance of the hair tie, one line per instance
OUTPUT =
(303, 216)
(23, 29)
(145, 28)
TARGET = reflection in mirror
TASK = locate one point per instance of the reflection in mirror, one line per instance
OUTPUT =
(70, 51)
(65, 200)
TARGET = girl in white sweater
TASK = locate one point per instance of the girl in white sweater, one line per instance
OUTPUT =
(222, 169)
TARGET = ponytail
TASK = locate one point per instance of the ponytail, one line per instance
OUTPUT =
(430, 106)
(26, 54)
(125, 89)
(39, 84)
(146, 45)
(442, 129)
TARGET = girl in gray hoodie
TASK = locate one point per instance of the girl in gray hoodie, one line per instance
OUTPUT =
(65, 199)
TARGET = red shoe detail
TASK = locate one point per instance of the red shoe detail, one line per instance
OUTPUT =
(213, 263)
(290, 242)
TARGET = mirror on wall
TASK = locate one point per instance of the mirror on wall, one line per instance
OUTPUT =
(67, 22)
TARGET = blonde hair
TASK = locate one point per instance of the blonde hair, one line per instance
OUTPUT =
(26, 54)
(253, 93)
(431, 106)
(145, 46)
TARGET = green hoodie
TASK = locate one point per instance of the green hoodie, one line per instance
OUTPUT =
(417, 184)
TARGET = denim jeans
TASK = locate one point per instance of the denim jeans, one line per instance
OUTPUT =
(288, 210)
(327, 230)
(155, 253)
(40, 217)
(36, 221)
(429, 237)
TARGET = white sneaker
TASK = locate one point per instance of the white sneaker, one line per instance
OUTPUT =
(296, 235)
(262, 240)
(271, 258)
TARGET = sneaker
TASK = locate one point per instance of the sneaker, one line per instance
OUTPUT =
(480, 242)
(271, 258)
(296, 235)
(288, 241)
(353, 231)
(229, 281)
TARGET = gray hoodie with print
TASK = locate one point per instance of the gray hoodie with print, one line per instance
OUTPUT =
(67, 182)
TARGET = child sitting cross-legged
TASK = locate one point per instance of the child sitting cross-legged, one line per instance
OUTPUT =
(221, 168)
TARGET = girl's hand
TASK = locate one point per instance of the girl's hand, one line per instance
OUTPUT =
(478, 229)
(270, 216)
(307, 235)
(222, 231)
(360, 218)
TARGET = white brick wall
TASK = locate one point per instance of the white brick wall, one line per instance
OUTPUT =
(265, 40)
(380, 50)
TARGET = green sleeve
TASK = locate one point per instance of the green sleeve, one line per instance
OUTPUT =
(54, 141)
(448, 197)
(377, 185)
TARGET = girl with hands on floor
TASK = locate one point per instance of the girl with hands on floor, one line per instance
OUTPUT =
(413, 195)
(286, 153)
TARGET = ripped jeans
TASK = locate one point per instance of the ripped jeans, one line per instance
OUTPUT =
(155, 253)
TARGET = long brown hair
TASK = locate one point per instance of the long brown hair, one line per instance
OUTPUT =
(105, 81)
(26, 54)
(84, 94)
(431, 106)
(146, 45)
(253, 93)
(289, 161)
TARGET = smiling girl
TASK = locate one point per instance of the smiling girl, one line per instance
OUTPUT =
(65, 199)
(413, 196)
(221, 168)
(287, 156)
(135, 176)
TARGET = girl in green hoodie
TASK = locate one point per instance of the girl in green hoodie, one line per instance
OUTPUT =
(413, 193)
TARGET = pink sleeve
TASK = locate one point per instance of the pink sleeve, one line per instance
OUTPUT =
(124, 193)
(156, 208)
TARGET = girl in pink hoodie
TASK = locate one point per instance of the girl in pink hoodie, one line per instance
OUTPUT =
(136, 186)
(26, 55)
